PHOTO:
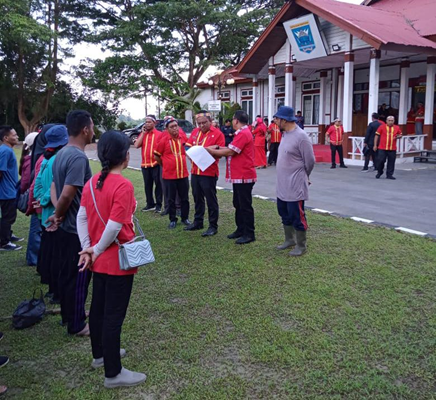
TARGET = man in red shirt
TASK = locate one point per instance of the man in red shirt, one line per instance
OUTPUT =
(203, 183)
(276, 137)
(151, 170)
(170, 154)
(241, 172)
(419, 119)
(386, 144)
(336, 134)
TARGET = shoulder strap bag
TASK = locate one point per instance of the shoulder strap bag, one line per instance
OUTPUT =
(135, 253)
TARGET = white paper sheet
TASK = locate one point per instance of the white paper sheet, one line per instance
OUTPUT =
(201, 157)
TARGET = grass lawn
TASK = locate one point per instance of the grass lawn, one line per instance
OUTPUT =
(354, 318)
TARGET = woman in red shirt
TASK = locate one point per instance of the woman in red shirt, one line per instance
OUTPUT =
(116, 204)
(259, 133)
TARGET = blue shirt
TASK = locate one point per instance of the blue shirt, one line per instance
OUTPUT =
(9, 169)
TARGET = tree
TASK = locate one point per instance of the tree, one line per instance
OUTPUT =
(167, 46)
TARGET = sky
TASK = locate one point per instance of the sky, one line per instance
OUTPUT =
(134, 107)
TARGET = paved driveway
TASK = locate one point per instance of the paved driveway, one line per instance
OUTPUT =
(409, 202)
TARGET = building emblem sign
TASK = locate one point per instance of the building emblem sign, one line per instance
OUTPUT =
(305, 38)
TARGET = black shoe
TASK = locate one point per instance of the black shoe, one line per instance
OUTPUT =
(16, 239)
(164, 212)
(186, 222)
(333, 167)
(378, 176)
(172, 225)
(234, 235)
(148, 208)
(193, 227)
(3, 361)
(364, 170)
(210, 232)
(158, 210)
(391, 177)
(245, 240)
(10, 247)
(343, 166)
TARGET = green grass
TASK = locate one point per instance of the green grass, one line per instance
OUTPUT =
(354, 318)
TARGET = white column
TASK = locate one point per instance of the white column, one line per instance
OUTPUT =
(334, 95)
(322, 96)
(429, 91)
(340, 106)
(374, 79)
(404, 92)
(289, 85)
(256, 98)
(347, 117)
(271, 89)
(294, 91)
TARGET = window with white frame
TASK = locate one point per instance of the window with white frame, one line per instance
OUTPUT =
(311, 86)
(225, 96)
(280, 89)
(311, 109)
(280, 101)
(247, 93)
(247, 106)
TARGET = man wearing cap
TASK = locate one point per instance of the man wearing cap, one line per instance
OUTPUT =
(170, 154)
(203, 183)
(336, 135)
(295, 163)
(241, 172)
(151, 171)
(386, 144)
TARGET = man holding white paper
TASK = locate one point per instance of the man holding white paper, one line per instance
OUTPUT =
(203, 183)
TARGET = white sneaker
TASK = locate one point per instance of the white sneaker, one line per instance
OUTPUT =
(125, 378)
(99, 362)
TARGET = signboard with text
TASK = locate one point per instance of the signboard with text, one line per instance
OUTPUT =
(305, 38)
(214, 105)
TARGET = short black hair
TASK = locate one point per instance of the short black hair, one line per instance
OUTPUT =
(241, 116)
(259, 116)
(375, 116)
(77, 120)
(298, 112)
(227, 120)
(4, 131)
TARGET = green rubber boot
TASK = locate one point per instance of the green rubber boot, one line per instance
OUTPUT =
(300, 248)
(289, 237)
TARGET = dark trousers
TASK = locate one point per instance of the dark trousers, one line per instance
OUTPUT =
(49, 260)
(273, 153)
(110, 299)
(8, 216)
(204, 187)
(34, 240)
(391, 156)
(340, 151)
(73, 285)
(292, 213)
(165, 195)
(151, 177)
(369, 155)
(244, 213)
(178, 187)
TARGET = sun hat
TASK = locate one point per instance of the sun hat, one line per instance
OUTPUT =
(286, 113)
(56, 136)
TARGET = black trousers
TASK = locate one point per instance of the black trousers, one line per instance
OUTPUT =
(151, 177)
(165, 195)
(391, 156)
(73, 285)
(8, 216)
(244, 213)
(370, 155)
(110, 299)
(204, 187)
(273, 153)
(178, 187)
(340, 151)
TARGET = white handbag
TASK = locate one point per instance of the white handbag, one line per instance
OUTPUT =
(135, 253)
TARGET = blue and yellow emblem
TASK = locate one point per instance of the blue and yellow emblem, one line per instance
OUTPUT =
(304, 37)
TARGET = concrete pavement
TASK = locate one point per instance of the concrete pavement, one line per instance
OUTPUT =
(409, 201)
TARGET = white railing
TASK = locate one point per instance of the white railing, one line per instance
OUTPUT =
(313, 137)
(406, 145)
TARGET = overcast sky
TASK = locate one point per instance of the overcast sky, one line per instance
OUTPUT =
(134, 107)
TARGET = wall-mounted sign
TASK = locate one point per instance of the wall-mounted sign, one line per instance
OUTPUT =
(306, 41)
(214, 105)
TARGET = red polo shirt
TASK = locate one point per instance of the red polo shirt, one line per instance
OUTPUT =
(172, 152)
(149, 143)
(336, 134)
(276, 135)
(388, 137)
(211, 138)
(182, 135)
(240, 167)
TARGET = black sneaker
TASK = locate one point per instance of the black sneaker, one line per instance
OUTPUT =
(158, 210)
(10, 247)
(172, 225)
(163, 213)
(234, 235)
(16, 239)
(3, 361)
(343, 166)
(333, 167)
(391, 177)
(148, 208)
(364, 170)
(378, 176)
(186, 222)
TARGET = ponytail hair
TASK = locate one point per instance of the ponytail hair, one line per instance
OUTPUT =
(112, 149)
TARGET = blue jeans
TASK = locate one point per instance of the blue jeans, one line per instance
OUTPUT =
(34, 240)
(292, 213)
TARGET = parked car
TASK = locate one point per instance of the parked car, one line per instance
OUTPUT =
(133, 133)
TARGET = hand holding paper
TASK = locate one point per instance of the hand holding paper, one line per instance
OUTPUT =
(201, 157)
